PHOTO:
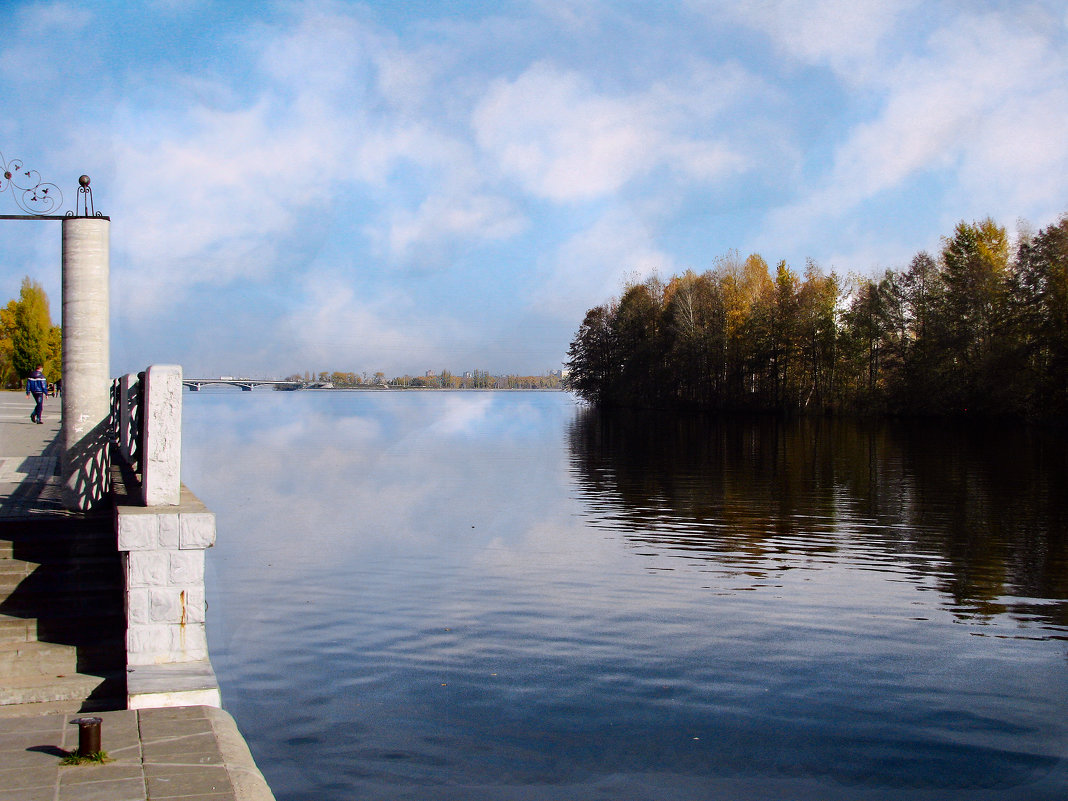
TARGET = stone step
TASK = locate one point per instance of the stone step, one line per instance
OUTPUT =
(71, 582)
(95, 654)
(59, 528)
(35, 555)
(75, 585)
(99, 644)
(70, 707)
(81, 627)
(17, 567)
(17, 629)
(37, 658)
(14, 535)
(55, 607)
(42, 540)
(49, 550)
(30, 575)
(7, 553)
(106, 689)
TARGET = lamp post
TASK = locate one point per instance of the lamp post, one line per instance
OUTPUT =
(86, 360)
(86, 340)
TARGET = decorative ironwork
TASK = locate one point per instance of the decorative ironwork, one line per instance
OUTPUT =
(31, 194)
(85, 200)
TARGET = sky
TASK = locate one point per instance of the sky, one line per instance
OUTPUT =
(411, 186)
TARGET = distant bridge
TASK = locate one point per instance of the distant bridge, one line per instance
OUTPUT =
(246, 384)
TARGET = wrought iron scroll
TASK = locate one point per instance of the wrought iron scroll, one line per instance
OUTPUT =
(84, 206)
(31, 194)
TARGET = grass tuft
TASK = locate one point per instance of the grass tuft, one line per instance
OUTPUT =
(96, 758)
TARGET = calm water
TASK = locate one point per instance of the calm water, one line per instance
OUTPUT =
(498, 596)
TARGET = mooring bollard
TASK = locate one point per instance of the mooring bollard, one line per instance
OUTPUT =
(88, 735)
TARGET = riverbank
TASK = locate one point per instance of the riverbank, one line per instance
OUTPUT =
(63, 652)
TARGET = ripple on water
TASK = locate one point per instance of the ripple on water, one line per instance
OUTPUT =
(772, 612)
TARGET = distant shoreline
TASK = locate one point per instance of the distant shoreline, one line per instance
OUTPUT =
(437, 389)
(268, 388)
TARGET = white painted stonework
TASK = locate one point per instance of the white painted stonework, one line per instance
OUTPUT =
(163, 560)
(162, 531)
(161, 455)
(187, 684)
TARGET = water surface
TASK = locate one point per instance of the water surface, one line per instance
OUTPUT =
(502, 596)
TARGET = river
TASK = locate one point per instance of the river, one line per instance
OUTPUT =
(499, 595)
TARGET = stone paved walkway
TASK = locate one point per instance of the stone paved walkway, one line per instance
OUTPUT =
(194, 753)
(29, 459)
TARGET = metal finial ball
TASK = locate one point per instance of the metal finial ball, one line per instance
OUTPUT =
(83, 181)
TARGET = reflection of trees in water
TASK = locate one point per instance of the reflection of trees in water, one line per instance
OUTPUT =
(981, 512)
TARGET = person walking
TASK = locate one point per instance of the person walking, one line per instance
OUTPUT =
(37, 385)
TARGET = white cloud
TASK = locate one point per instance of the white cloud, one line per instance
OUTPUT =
(205, 200)
(846, 35)
(213, 194)
(210, 195)
(423, 236)
(45, 19)
(983, 105)
(461, 415)
(39, 43)
(561, 140)
(591, 267)
(332, 324)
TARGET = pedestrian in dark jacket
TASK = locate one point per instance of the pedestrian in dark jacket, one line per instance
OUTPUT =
(37, 385)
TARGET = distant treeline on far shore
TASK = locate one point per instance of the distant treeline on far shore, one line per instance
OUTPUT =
(981, 328)
(475, 379)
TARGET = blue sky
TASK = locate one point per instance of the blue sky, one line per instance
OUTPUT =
(403, 186)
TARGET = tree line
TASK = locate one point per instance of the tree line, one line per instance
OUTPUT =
(28, 338)
(979, 329)
(476, 379)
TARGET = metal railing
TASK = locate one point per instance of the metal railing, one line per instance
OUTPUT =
(127, 420)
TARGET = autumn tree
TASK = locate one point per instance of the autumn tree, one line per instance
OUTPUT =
(864, 339)
(1041, 318)
(8, 376)
(635, 329)
(34, 340)
(692, 323)
(817, 336)
(975, 330)
(975, 264)
(592, 360)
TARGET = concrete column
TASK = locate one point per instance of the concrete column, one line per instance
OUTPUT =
(86, 365)
(161, 447)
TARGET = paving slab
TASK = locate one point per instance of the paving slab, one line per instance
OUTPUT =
(191, 753)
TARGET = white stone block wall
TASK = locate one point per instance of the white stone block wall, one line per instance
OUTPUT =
(162, 531)
(163, 559)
